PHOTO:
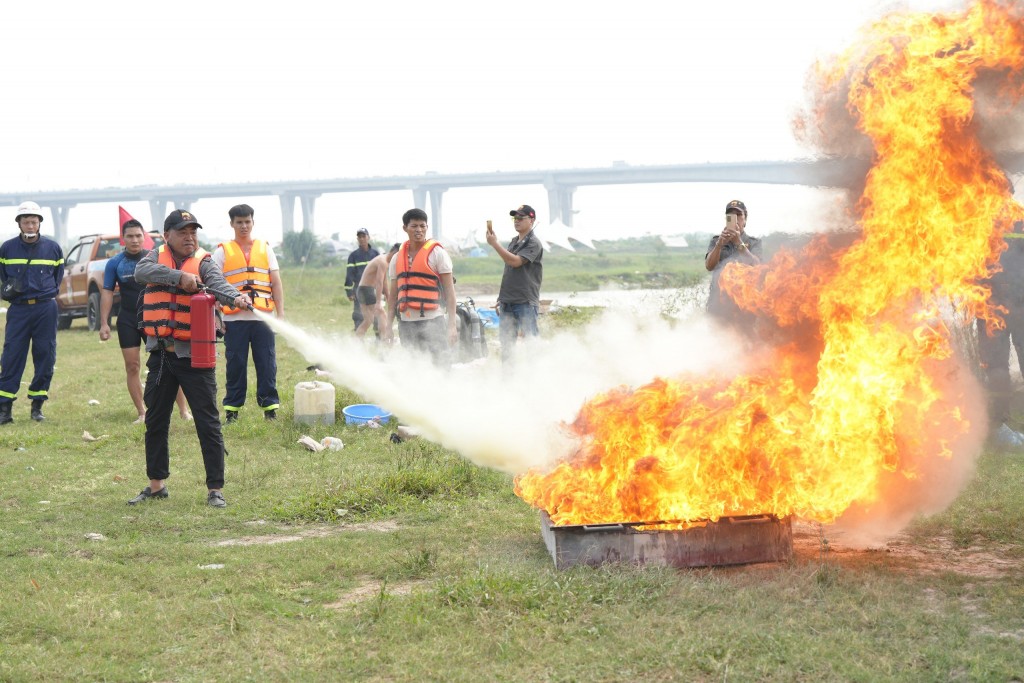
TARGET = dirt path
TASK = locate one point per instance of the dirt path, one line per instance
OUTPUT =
(939, 555)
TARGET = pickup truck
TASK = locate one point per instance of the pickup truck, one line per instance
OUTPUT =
(84, 262)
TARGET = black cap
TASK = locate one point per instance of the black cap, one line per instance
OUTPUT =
(178, 219)
(736, 206)
(362, 231)
(523, 210)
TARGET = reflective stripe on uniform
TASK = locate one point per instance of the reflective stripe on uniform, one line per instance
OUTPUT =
(30, 262)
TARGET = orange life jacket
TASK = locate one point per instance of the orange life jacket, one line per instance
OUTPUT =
(251, 275)
(419, 287)
(167, 309)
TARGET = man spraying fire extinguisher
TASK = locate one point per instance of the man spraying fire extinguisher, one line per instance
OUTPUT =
(173, 274)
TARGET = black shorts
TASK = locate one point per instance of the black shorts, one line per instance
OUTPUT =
(128, 335)
(366, 295)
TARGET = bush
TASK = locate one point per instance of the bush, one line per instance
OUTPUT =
(301, 248)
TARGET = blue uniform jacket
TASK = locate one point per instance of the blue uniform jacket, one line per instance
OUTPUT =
(40, 267)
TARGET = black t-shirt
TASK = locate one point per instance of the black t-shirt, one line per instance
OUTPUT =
(522, 285)
(718, 303)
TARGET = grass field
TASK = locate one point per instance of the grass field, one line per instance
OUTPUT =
(405, 562)
(629, 263)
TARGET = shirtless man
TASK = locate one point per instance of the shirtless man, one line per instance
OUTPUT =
(371, 293)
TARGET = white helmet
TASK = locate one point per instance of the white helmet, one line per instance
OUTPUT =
(29, 209)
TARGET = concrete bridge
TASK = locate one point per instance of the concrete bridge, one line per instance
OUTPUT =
(430, 187)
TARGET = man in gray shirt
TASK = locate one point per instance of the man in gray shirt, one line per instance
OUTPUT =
(519, 295)
(172, 274)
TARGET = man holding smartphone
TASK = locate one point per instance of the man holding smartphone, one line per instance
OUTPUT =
(732, 244)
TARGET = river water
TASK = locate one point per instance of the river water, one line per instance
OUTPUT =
(679, 302)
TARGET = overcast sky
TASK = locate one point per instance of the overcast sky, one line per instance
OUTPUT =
(121, 94)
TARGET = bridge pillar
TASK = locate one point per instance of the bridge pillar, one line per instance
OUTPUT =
(287, 213)
(420, 194)
(308, 202)
(419, 197)
(184, 204)
(436, 193)
(560, 202)
(158, 212)
(60, 221)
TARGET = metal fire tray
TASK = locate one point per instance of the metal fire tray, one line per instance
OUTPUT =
(731, 540)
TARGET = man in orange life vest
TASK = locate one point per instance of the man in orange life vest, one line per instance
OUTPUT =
(419, 279)
(250, 266)
(172, 274)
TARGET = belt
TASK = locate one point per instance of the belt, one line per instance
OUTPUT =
(34, 301)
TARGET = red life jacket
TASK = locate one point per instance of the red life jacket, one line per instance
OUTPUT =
(419, 287)
(166, 309)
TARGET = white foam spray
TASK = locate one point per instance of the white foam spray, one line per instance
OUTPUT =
(510, 419)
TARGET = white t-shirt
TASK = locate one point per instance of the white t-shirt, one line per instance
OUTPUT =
(218, 258)
(440, 262)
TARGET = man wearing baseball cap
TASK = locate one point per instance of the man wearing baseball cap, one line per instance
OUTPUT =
(31, 268)
(519, 295)
(357, 262)
(172, 274)
(733, 244)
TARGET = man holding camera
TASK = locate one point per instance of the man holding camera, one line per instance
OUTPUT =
(31, 268)
(733, 244)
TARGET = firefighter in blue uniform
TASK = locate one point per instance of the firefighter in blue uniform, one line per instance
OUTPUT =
(31, 268)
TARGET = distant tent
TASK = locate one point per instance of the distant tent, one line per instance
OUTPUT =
(477, 252)
(469, 242)
(674, 241)
(579, 236)
(556, 233)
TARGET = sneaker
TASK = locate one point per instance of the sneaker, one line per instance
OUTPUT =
(147, 493)
(232, 416)
(270, 415)
(215, 499)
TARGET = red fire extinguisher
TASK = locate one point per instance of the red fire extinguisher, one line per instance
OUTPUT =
(204, 330)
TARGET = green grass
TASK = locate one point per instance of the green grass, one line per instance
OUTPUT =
(633, 263)
(414, 564)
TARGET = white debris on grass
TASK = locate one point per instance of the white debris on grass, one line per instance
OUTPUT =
(95, 537)
(407, 433)
(310, 443)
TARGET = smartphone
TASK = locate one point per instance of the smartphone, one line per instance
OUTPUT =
(490, 228)
(730, 218)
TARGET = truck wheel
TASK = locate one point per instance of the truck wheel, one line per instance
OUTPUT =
(64, 322)
(93, 313)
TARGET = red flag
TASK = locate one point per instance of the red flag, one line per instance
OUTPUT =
(147, 241)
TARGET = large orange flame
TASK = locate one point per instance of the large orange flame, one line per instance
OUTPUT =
(859, 385)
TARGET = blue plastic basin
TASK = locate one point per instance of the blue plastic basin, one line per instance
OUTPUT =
(364, 412)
